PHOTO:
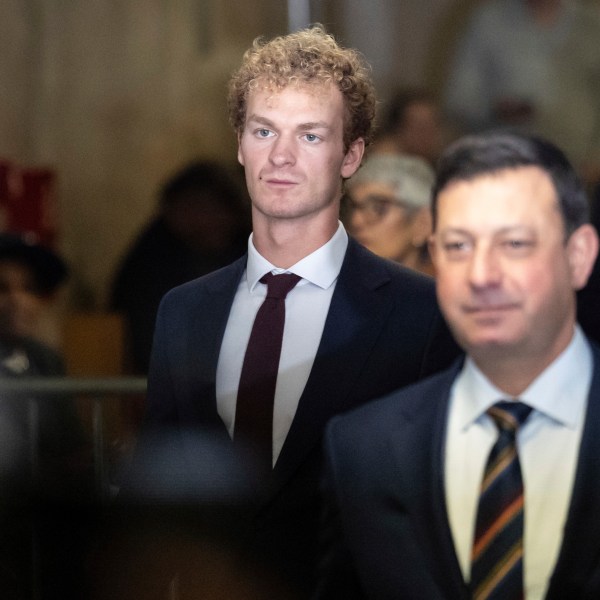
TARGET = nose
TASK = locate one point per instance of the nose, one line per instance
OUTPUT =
(484, 269)
(282, 151)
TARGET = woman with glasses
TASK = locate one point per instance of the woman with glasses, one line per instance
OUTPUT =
(387, 204)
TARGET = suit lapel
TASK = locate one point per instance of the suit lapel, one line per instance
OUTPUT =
(360, 306)
(418, 448)
(210, 329)
(580, 549)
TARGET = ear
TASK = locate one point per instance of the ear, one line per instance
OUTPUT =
(240, 155)
(582, 250)
(353, 158)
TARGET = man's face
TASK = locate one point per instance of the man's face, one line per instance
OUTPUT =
(293, 152)
(505, 274)
(20, 302)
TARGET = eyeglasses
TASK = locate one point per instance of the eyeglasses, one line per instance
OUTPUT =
(373, 207)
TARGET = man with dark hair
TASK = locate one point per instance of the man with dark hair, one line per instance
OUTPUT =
(482, 481)
(354, 326)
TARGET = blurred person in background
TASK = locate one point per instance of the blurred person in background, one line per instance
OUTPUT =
(388, 211)
(532, 66)
(412, 125)
(202, 224)
(44, 455)
(29, 276)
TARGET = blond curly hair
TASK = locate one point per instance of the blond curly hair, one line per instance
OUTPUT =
(309, 56)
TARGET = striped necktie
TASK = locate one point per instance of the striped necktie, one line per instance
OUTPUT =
(497, 557)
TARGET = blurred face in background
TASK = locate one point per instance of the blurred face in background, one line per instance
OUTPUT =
(421, 132)
(385, 225)
(20, 301)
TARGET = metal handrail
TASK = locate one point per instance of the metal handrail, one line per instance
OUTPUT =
(35, 389)
(57, 386)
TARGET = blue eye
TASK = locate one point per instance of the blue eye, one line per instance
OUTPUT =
(263, 133)
(311, 137)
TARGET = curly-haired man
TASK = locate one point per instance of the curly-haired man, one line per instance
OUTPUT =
(355, 326)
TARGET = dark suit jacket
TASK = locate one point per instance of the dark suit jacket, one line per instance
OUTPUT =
(383, 331)
(387, 533)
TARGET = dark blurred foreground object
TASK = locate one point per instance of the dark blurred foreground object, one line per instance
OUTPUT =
(202, 224)
(45, 475)
(176, 527)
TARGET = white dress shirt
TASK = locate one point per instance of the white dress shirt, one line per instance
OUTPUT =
(548, 447)
(306, 308)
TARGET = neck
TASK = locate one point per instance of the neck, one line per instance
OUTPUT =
(512, 379)
(513, 372)
(284, 243)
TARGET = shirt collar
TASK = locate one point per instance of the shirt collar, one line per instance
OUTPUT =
(321, 267)
(560, 392)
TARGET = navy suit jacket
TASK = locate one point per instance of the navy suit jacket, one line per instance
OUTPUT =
(383, 331)
(387, 534)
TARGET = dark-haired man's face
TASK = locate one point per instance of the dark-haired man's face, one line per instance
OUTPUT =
(505, 275)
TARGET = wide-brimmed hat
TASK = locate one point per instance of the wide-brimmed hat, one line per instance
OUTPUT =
(48, 268)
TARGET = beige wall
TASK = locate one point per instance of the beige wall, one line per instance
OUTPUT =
(117, 95)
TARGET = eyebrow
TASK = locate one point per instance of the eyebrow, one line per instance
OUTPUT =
(501, 231)
(300, 127)
(315, 125)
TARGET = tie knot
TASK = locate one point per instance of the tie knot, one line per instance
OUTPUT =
(278, 286)
(509, 416)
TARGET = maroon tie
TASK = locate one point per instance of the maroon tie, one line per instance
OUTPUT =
(254, 411)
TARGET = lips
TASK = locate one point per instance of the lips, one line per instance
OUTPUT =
(278, 181)
(489, 313)
(489, 308)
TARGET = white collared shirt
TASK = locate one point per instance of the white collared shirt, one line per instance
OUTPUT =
(548, 446)
(306, 309)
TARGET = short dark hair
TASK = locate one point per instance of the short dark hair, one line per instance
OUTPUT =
(475, 155)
